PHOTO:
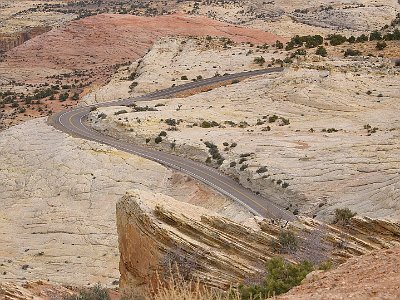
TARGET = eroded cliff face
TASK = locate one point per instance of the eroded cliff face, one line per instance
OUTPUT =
(155, 230)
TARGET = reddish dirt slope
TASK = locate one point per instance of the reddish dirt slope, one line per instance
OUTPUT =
(104, 40)
(372, 276)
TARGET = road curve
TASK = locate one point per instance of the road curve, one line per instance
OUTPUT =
(71, 122)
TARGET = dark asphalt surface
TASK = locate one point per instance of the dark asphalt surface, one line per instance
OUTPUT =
(71, 122)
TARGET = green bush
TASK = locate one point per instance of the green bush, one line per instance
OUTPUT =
(281, 277)
(351, 39)
(158, 139)
(75, 96)
(259, 60)
(343, 216)
(375, 36)
(337, 39)
(63, 97)
(279, 45)
(321, 51)
(95, 293)
(288, 241)
(362, 38)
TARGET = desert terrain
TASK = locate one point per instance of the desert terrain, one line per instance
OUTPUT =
(321, 140)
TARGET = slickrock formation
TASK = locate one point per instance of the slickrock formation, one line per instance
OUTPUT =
(155, 230)
(340, 147)
(373, 276)
(106, 40)
(58, 197)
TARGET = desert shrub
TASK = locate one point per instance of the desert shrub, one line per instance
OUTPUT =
(158, 139)
(242, 160)
(288, 60)
(381, 45)
(281, 277)
(351, 39)
(259, 60)
(272, 119)
(171, 122)
(75, 96)
(375, 36)
(336, 39)
(63, 97)
(120, 112)
(285, 185)
(40, 94)
(232, 164)
(210, 145)
(300, 52)
(184, 77)
(243, 167)
(95, 293)
(226, 144)
(289, 46)
(325, 266)
(162, 133)
(132, 76)
(208, 124)
(351, 52)
(279, 45)
(262, 170)
(287, 241)
(311, 41)
(233, 145)
(362, 38)
(177, 287)
(321, 51)
(343, 216)
(102, 116)
(133, 85)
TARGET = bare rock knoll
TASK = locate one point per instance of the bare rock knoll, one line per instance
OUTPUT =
(155, 231)
(373, 276)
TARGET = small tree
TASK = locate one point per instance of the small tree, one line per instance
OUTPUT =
(281, 277)
(279, 45)
(321, 51)
(375, 36)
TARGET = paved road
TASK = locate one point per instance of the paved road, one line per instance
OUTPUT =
(71, 122)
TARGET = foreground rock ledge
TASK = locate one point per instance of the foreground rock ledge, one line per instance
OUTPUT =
(153, 226)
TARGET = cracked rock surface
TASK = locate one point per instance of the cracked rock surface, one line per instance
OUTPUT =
(58, 197)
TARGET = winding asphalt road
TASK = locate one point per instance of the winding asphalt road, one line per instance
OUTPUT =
(72, 122)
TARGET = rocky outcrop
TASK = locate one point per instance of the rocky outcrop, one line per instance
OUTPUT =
(7, 42)
(155, 231)
(37, 290)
